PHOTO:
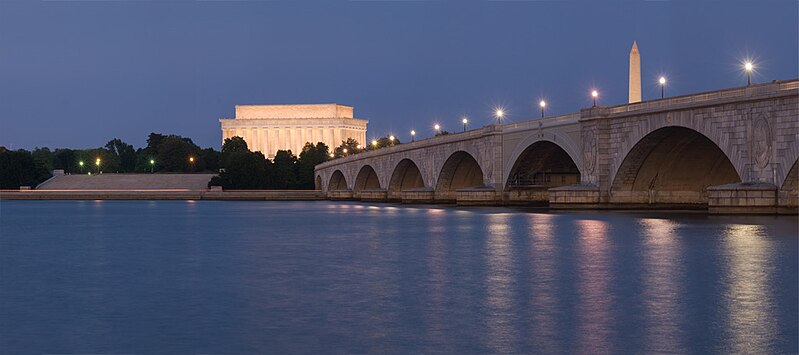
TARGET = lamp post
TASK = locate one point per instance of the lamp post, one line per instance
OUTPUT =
(437, 127)
(662, 82)
(81, 166)
(465, 121)
(391, 139)
(97, 162)
(748, 66)
(191, 163)
(543, 104)
(152, 165)
(594, 94)
(499, 114)
(413, 135)
(374, 143)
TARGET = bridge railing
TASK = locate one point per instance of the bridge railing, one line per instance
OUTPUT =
(569, 118)
(758, 89)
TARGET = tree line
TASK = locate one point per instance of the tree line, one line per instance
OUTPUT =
(238, 167)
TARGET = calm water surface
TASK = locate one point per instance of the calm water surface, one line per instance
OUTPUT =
(325, 277)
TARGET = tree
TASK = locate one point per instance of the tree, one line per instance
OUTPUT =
(124, 152)
(383, 142)
(65, 159)
(42, 163)
(285, 170)
(178, 154)
(350, 145)
(441, 133)
(109, 162)
(310, 156)
(17, 168)
(241, 168)
(211, 159)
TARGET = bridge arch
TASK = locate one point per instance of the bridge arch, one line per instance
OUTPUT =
(561, 141)
(539, 166)
(791, 182)
(406, 176)
(460, 170)
(672, 164)
(367, 179)
(337, 181)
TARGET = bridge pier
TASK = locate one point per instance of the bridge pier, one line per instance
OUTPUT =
(418, 195)
(340, 195)
(377, 195)
(477, 196)
(755, 198)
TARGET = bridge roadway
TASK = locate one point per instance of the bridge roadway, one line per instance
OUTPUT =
(732, 150)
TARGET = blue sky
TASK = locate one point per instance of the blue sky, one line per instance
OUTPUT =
(79, 73)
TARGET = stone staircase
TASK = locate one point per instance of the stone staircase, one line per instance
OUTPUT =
(128, 182)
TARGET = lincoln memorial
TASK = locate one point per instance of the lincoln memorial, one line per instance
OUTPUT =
(269, 128)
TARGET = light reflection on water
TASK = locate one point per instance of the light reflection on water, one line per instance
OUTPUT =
(321, 277)
(748, 297)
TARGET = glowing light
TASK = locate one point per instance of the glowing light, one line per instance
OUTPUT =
(97, 161)
(542, 104)
(391, 138)
(662, 80)
(437, 127)
(358, 146)
(191, 159)
(374, 142)
(80, 163)
(748, 66)
(332, 155)
(499, 113)
(344, 150)
(594, 94)
(152, 161)
(465, 120)
(413, 133)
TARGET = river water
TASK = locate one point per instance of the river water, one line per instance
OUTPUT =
(330, 277)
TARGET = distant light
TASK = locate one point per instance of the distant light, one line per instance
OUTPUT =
(594, 94)
(499, 113)
(465, 120)
(749, 66)
(358, 146)
(413, 133)
(542, 104)
(662, 80)
(332, 155)
(374, 142)
(437, 127)
(191, 159)
(80, 163)
(391, 138)
(97, 161)
(152, 161)
(344, 150)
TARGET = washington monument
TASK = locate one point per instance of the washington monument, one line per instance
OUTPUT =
(635, 74)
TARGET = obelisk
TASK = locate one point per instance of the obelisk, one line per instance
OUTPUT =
(635, 74)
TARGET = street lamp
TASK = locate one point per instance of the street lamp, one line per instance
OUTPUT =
(97, 162)
(152, 165)
(81, 166)
(465, 121)
(391, 138)
(437, 127)
(543, 104)
(191, 162)
(499, 114)
(748, 66)
(413, 135)
(662, 82)
(332, 155)
(374, 143)
(358, 147)
(594, 94)
(344, 150)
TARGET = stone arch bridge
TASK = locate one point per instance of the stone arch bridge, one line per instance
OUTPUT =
(732, 150)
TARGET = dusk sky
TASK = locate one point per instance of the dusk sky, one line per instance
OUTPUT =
(79, 73)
